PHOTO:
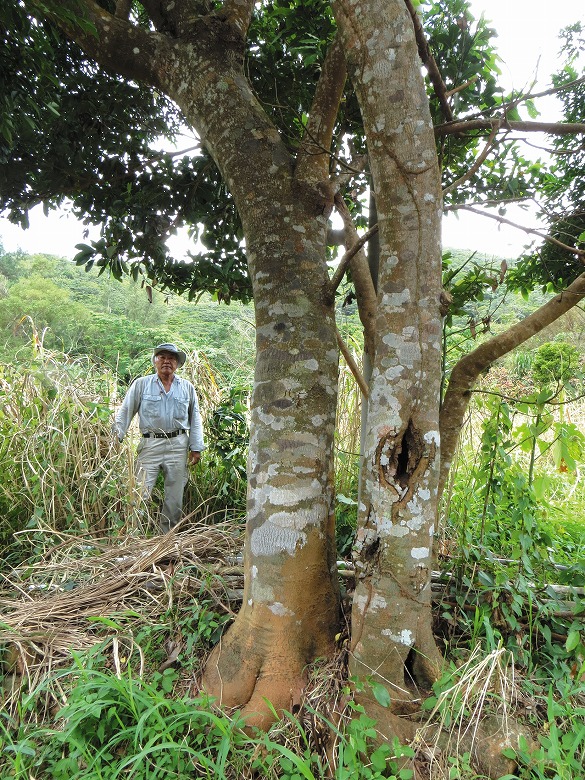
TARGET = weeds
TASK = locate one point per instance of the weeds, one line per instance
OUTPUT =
(116, 725)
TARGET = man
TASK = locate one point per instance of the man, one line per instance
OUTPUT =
(170, 424)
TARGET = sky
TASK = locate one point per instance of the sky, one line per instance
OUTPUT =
(528, 45)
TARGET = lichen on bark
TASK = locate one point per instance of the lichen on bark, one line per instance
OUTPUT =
(392, 641)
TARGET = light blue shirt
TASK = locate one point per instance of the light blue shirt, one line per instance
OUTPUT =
(162, 412)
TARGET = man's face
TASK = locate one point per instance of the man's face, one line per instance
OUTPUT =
(166, 363)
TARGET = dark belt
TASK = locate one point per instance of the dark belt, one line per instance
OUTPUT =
(170, 435)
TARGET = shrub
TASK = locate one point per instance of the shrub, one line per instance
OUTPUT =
(555, 363)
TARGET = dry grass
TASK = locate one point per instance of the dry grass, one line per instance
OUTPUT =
(483, 684)
(86, 591)
(62, 603)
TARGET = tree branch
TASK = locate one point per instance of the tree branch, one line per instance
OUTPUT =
(545, 93)
(550, 239)
(361, 276)
(352, 365)
(314, 152)
(552, 128)
(337, 277)
(476, 165)
(428, 61)
(461, 87)
(113, 42)
(466, 371)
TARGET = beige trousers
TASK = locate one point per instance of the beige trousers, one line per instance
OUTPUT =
(170, 457)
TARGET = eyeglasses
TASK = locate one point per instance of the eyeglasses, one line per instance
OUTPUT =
(167, 356)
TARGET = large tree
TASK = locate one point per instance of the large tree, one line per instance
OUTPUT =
(298, 105)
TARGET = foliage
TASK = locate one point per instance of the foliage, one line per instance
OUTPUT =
(285, 52)
(223, 335)
(561, 736)
(505, 533)
(120, 717)
(56, 459)
(561, 192)
(555, 364)
(228, 430)
(221, 482)
(117, 176)
(116, 724)
(117, 323)
(42, 302)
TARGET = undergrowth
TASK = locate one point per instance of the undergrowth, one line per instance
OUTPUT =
(124, 702)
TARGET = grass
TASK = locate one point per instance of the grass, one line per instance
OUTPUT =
(138, 623)
(105, 627)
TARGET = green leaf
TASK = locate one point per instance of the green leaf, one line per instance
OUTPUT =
(379, 756)
(486, 579)
(540, 486)
(381, 694)
(573, 640)
(533, 112)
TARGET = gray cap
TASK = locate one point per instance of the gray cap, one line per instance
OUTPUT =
(181, 356)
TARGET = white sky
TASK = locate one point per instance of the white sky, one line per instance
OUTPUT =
(528, 45)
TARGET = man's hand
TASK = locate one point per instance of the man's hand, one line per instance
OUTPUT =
(194, 458)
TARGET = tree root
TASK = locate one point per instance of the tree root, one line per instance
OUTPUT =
(261, 665)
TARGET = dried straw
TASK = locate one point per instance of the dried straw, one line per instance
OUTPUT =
(55, 606)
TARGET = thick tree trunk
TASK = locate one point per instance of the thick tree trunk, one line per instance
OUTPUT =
(392, 640)
(290, 611)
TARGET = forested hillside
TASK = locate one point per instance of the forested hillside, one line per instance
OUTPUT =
(79, 312)
(51, 299)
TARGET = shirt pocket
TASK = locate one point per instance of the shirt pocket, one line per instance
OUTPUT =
(181, 409)
(151, 406)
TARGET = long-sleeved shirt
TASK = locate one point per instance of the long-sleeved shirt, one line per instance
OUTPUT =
(162, 412)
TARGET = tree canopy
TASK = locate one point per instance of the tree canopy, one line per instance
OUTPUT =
(73, 130)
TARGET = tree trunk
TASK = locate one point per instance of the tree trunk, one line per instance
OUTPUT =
(290, 611)
(290, 614)
(392, 641)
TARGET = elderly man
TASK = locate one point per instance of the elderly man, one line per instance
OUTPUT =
(170, 424)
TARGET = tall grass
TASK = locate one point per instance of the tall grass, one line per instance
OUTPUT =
(59, 471)
(63, 473)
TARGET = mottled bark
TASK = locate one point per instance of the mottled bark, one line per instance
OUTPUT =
(290, 607)
(313, 158)
(290, 610)
(391, 620)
